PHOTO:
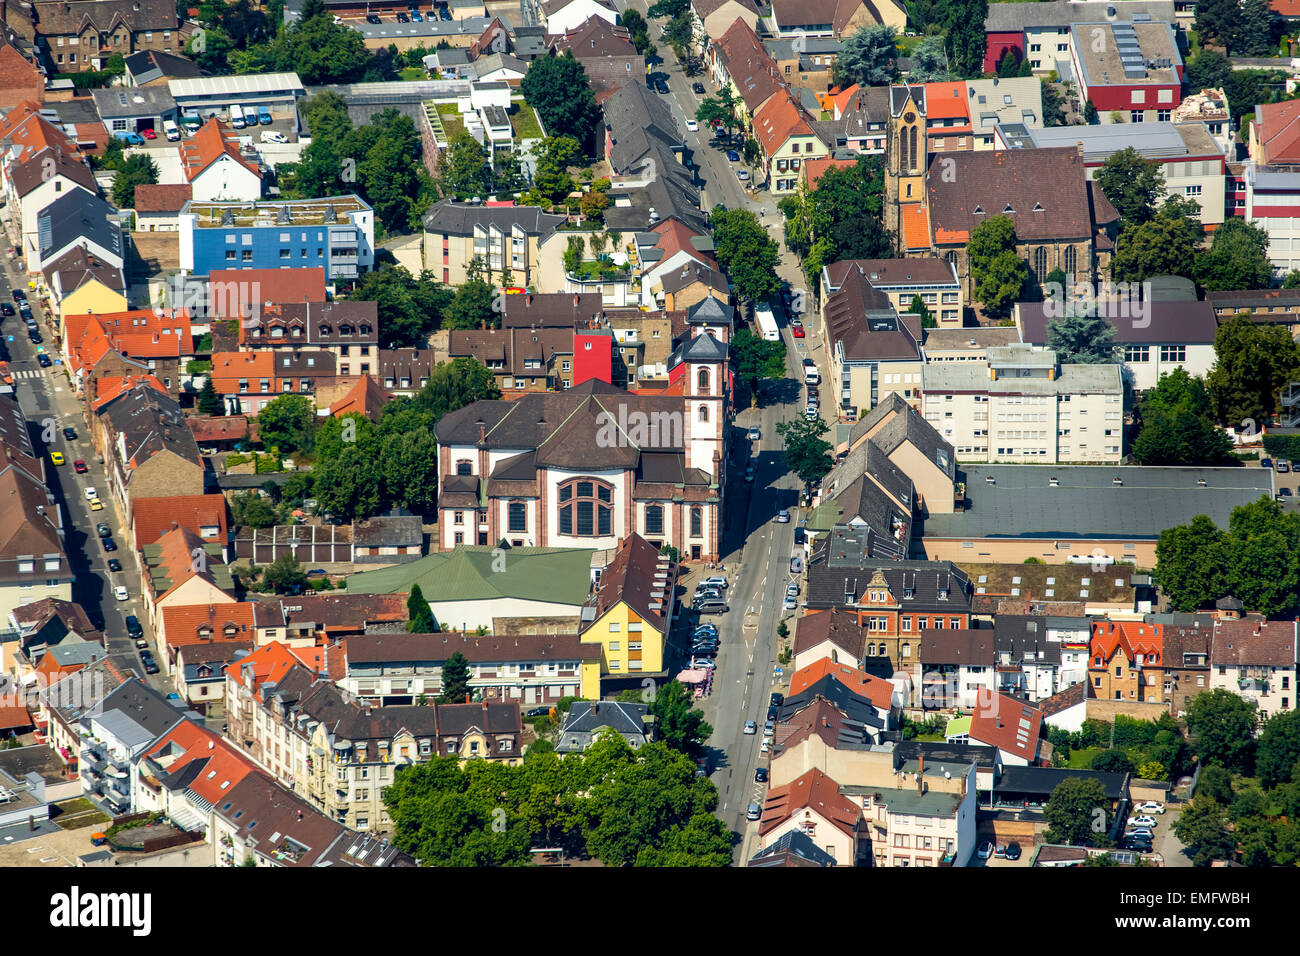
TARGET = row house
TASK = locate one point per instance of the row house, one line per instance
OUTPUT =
(248, 381)
(1040, 32)
(33, 185)
(113, 730)
(805, 62)
(921, 825)
(148, 450)
(737, 60)
(835, 18)
(913, 446)
(957, 668)
(1256, 660)
(226, 625)
(401, 669)
(155, 342)
(813, 805)
(711, 18)
(181, 570)
(858, 119)
(347, 330)
(1040, 656)
(75, 35)
(405, 371)
(1187, 662)
(77, 283)
(786, 140)
(874, 350)
(1011, 726)
(1127, 661)
(339, 754)
(528, 360)
(322, 620)
(902, 280)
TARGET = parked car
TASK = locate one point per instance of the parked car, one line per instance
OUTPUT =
(6, 308)
(121, 593)
(148, 133)
(790, 604)
(1140, 832)
(783, 516)
(792, 589)
(703, 662)
(777, 699)
(742, 175)
(1266, 463)
(765, 747)
(103, 530)
(753, 434)
(70, 433)
(985, 850)
(34, 337)
(1000, 852)
(79, 466)
(417, 17)
(43, 360)
(271, 136)
(661, 86)
(131, 139)
(109, 544)
(769, 729)
(733, 156)
(698, 88)
(754, 812)
(1150, 806)
(1139, 844)
(714, 581)
(96, 504)
(1282, 467)
(133, 628)
(150, 665)
(760, 775)
(19, 295)
(1013, 851)
(749, 473)
(751, 727)
(114, 565)
(773, 712)
(403, 18)
(706, 629)
(372, 18)
(1144, 822)
(797, 331)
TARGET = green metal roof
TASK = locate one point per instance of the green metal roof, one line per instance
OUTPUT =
(957, 727)
(480, 572)
(824, 517)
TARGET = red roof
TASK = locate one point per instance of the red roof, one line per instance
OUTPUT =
(1287, 9)
(154, 517)
(675, 237)
(947, 101)
(208, 428)
(1278, 132)
(227, 622)
(814, 791)
(366, 397)
(814, 169)
(1135, 637)
(270, 663)
(162, 197)
(222, 766)
(916, 226)
(29, 132)
(232, 291)
(1008, 724)
(875, 689)
(778, 120)
(213, 140)
(14, 718)
(111, 387)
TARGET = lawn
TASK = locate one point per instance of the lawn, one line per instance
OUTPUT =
(77, 813)
(1082, 759)
(524, 121)
(451, 121)
(412, 73)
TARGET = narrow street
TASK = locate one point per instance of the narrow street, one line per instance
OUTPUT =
(50, 404)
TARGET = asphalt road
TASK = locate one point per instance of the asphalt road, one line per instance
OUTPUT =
(50, 404)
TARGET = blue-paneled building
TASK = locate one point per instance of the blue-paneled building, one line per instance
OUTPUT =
(337, 233)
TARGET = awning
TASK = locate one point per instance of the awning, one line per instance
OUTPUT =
(692, 676)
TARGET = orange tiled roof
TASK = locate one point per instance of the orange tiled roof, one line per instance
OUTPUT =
(176, 559)
(675, 237)
(154, 517)
(778, 120)
(1135, 637)
(366, 397)
(1010, 725)
(229, 367)
(270, 663)
(111, 387)
(947, 101)
(840, 99)
(187, 742)
(213, 140)
(183, 623)
(875, 689)
(814, 169)
(916, 226)
(29, 132)
(231, 291)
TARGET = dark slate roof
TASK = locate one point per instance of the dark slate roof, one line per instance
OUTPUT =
(834, 573)
(1191, 323)
(585, 716)
(459, 219)
(709, 311)
(960, 646)
(1024, 637)
(863, 320)
(908, 752)
(391, 530)
(794, 848)
(143, 705)
(905, 425)
(75, 215)
(635, 118)
(856, 708)
(1043, 780)
(151, 422)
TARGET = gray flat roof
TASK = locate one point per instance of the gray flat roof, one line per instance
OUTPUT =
(1152, 140)
(1086, 504)
(974, 377)
(390, 29)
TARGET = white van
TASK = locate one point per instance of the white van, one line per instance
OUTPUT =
(237, 116)
(810, 376)
(171, 130)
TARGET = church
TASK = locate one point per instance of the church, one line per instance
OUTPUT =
(590, 465)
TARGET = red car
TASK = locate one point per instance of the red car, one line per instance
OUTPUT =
(797, 331)
(80, 466)
(148, 134)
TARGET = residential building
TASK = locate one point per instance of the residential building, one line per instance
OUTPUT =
(405, 371)
(337, 233)
(664, 254)
(347, 330)
(152, 68)
(837, 18)
(915, 447)
(1131, 71)
(867, 505)
(1040, 656)
(1040, 32)
(527, 670)
(1075, 413)
(713, 17)
(588, 719)
(785, 137)
(511, 241)
(248, 381)
(561, 16)
(199, 673)
(794, 848)
(805, 62)
(184, 773)
(33, 559)
(75, 35)
(966, 345)
(994, 102)
(78, 218)
(920, 826)
(520, 359)
(547, 482)
(148, 451)
(243, 293)
(114, 732)
(1191, 159)
(24, 81)
(814, 806)
(181, 570)
(1019, 511)
(871, 702)
(1157, 335)
(1012, 726)
(322, 620)
(1187, 663)
(1270, 185)
(957, 668)
(874, 350)
(1256, 660)
(77, 283)
(149, 342)
(35, 184)
(1127, 661)
(859, 117)
(631, 609)
(737, 60)
(835, 635)
(158, 207)
(933, 279)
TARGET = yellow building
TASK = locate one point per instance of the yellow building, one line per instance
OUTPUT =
(77, 283)
(630, 614)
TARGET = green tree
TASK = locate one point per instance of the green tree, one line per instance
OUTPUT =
(1278, 748)
(966, 39)
(679, 33)
(1089, 113)
(463, 170)
(318, 50)
(254, 511)
(1113, 761)
(1237, 258)
(637, 30)
(1253, 364)
(453, 385)
(677, 723)
(1164, 245)
(1208, 70)
(1292, 280)
(288, 422)
(1077, 812)
(806, 452)
(929, 62)
(409, 308)
(337, 433)
(1009, 65)
(455, 679)
(1215, 783)
(747, 254)
(471, 307)
(1222, 727)
(720, 109)
(285, 575)
(554, 156)
(1189, 564)
(1257, 30)
(136, 170)
(917, 307)
(209, 402)
(1053, 111)
(1218, 22)
(557, 88)
(419, 617)
(867, 57)
(1153, 770)
(408, 466)
(996, 269)
(1202, 827)
(1133, 185)
(756, 359)
(1082, 340)
(347, 485)
(1178, 425)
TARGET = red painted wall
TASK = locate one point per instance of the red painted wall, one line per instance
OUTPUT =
(997, 45)
(593, 357)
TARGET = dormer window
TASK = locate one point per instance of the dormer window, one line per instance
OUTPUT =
(979, 210)
(909, 593)
(1007, 210)
(943, 594)
(326, 330)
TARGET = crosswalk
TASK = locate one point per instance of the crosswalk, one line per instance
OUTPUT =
(28, 373)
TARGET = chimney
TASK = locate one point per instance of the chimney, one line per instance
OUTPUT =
(299, 814)
(467, 697)
(920, 786)
(593, 708)
(576, 298)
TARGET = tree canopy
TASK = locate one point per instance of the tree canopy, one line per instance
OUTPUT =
(806, 452)
(1222, 727)
(1082, 340)
(288, 422)
(409, 308)
(757, 358)
(136, 170)
(867, 57)
(1165, 244)
(839, 219)
(1253, 363)
(1177, 424)
(557, 88)
(747, 254)
(1077, 812)
(996, 268)
(1133, 185)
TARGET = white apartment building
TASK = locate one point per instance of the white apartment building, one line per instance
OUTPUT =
(1022, 407)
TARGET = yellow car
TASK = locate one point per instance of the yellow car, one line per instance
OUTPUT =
(96, 504)
(56, 457)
